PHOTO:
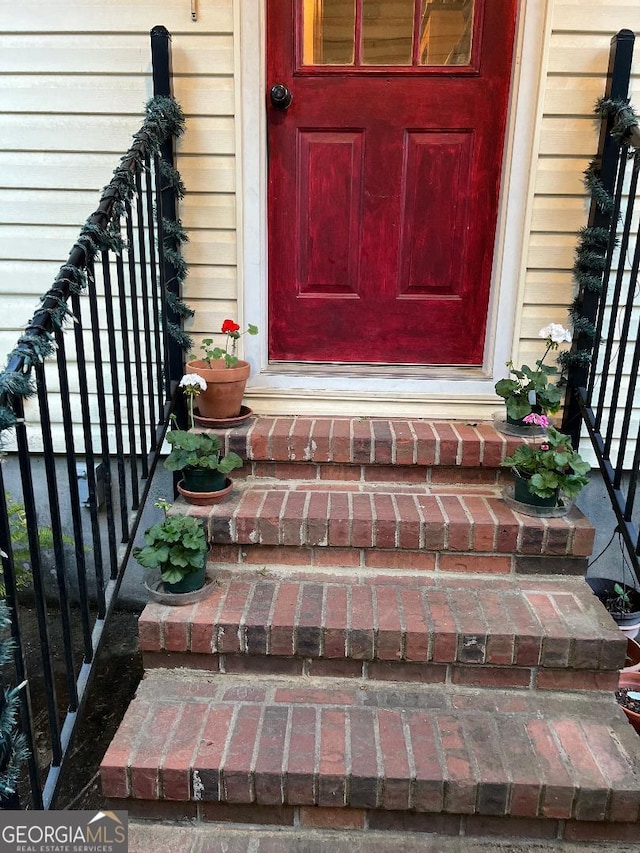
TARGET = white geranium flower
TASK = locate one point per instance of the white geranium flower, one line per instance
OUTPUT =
(556, 333)
(193, 381)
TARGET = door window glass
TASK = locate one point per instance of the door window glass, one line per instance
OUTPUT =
(329, 32)
(387, 32)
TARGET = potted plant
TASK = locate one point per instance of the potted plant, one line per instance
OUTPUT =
(224, 373)
(177, 545)
(542, 471)
(622, 602)
(199, 455)
(531, 389)
(628, 696)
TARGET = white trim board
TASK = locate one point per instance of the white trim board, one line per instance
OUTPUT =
(273, 389)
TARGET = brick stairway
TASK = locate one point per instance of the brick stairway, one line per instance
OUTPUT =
(388, 647)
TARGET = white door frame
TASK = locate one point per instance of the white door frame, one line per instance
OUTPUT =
(433, 392)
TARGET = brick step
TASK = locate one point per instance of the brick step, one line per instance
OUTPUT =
(370, 449)
(405, 526)
(414, 757)
(545, 633)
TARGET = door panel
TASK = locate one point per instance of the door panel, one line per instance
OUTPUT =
(384, 179)
(330, 192)
(434, 243)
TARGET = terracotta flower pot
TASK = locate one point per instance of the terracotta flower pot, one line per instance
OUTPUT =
(225, 387)
(629, 681)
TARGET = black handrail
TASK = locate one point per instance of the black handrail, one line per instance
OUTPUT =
(596, 395)
(127, 260)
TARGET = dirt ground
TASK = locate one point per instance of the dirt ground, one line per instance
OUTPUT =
(118, 671)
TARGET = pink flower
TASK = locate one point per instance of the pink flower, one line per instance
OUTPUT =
(544, 447)
(538, 420)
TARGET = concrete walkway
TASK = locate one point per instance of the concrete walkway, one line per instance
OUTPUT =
(217, 838)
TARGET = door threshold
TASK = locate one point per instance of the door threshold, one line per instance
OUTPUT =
(381, 371)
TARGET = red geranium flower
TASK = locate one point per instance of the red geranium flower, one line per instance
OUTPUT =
(229, 326)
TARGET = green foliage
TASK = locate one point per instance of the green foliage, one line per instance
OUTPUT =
(516, 391)
(177, 545)
(621, 601)
(20, 544)
(233, 334)
(552, 464)
(12, 744)
(198, 450)
(590, 260)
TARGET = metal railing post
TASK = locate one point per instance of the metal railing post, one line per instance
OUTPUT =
(167, 209)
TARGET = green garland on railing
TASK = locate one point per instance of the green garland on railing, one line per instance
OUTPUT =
(590, 257)
(164, 118)
(13, 746)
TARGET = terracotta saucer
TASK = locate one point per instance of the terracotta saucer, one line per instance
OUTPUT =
(205, 498)
(245, 414)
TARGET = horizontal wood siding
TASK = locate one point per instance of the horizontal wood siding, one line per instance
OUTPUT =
(575, 76)
(74, 79)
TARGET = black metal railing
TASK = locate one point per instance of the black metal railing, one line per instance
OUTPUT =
(99, 408)
(605, 357)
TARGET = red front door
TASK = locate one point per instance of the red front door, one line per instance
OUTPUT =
(384, 173)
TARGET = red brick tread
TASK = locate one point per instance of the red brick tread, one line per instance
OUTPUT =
(518, 624)
(401, 518)
(447, 750)
(370, 441)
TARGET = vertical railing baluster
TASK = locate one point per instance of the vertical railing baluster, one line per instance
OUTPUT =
(103, 420)
(19, 665)
(156, 295)
(74, 497)
(57, 534)
(115, 396)
(40, 605)
(622, 347)
(602, 304)
(89, 455)
(128, 388)
(144, 290)
(613, 322)
(136, 365)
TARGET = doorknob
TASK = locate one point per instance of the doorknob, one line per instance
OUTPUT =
(281, 97)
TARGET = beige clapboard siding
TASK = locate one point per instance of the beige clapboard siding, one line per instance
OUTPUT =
(51, 207)
(578, 94)
(59, 170)
(86, 55)
(103, 133)
(574, 78)
(80, 16)
(74, 78)
(554, 178)
(75, 94)
(210, 174)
